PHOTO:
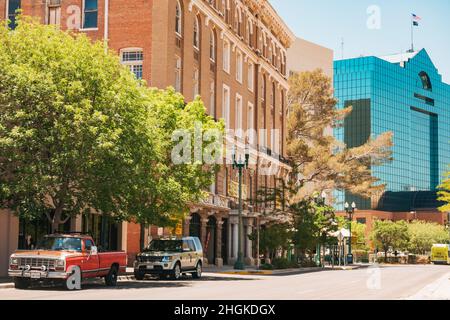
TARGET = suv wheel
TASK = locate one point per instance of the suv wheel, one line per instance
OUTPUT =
(176, 273)
(139, 275)
(198, 271)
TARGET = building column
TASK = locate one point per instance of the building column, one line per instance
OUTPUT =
(122, 236)
(76, 223)
(203, 226)
(235, 241)
(249, 260)
(186, 226)
(230, 242)
(219, 260)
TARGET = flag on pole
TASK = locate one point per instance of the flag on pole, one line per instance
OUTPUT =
(415, 19)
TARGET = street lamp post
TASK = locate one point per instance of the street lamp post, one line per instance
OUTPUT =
(448, 222)
(240, 164)
(320, 200)
(350, 212)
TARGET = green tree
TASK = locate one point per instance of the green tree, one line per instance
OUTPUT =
(422, 236)
(69, 124)
(390, 235)
(312, 224)
(359, 241)
(273, 238)
(163, 191)
(444, 194)
(78, 132)
(319, 161)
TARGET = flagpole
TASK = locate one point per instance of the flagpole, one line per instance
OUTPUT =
(412, 35)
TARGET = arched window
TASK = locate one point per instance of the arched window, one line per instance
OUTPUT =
(196, 33)
(238, 21)
(178, 19)
(426, 82)
(212, 46)
(249, 31)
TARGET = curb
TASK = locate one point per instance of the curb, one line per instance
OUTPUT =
(7, 286)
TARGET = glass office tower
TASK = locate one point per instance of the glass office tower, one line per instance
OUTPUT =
(403, 94)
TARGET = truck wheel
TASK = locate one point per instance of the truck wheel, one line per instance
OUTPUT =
(21, 283)
(139, 275)
(111, 278)
(176, 273)
(198, 271)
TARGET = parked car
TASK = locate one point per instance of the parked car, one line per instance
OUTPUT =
(170, 257)
(66, 259)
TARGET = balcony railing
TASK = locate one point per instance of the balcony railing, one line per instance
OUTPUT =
(214, 200)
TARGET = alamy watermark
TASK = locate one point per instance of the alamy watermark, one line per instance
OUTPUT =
(212, 147)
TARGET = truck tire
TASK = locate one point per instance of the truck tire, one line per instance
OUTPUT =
(21, 283)
(111, 277)
(198, 271)
(176, 272)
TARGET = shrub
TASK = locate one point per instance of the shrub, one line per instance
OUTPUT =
(361, 256)
(266, 266)
(283, 263)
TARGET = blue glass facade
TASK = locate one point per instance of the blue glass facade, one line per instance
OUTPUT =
(403, 94)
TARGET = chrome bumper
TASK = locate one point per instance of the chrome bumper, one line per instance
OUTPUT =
(38, 275)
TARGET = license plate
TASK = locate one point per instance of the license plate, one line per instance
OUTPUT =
(149, 267)
(35, 275)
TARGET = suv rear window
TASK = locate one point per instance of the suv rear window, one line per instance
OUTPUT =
(165, 245)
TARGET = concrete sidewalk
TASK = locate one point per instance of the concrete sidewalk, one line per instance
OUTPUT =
(6, 283)
(285, 272)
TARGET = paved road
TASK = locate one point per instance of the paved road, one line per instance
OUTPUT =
(393, 282)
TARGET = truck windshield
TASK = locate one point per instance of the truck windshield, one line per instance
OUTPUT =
(60, 243)
(165, 245)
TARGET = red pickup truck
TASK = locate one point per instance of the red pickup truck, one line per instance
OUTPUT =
(67, 259)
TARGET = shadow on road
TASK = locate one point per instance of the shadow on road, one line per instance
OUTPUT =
(135, 284)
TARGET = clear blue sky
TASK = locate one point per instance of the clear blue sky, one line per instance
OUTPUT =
(326, 22)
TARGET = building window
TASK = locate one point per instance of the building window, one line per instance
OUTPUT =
(238, 125)
(133, 59)
(273, 95)
(251, 76)
(54, 15)
(12, 7)
(238, 21)
(196, 34)
(178, 74)
(251, 124)
(212, 99)
(90, 14)
(226, 56)
(274, 56)
(250, 33)
(226, 106)
(196, 83)
(426, 82)
(239, 66)
(212, 46)
(263, 88)
(178, 19)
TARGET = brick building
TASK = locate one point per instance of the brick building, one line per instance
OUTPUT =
(233, 54)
